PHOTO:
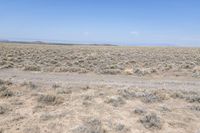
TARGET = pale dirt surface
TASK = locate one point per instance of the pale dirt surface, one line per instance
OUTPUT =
(130, 101)
(46, 78)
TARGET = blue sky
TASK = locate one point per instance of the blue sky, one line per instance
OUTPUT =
(149, 22)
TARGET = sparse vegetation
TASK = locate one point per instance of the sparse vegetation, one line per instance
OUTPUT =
(104, 60)
(29, 84)
(31, 68)
(1, 82)
(131, 94)
(55, 86)
(195, 107)
(196, 72)
(5, 82)
(115, 101)
(34, 129)
(2, 110)
(151, 121)
(92, 125)
(6, 93)
(3, 88)
(140, 111)
(49, 99)
(119, 127)
(147, 96)
(188, 96)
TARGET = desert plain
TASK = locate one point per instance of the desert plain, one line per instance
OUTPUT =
(99, 89)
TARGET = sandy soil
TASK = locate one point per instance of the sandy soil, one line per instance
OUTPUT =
(48, 101)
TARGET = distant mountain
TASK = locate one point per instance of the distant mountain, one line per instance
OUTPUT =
(51, 43)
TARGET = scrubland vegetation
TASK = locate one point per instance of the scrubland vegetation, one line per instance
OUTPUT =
(30, 106)
(138, 61)
(96, 109)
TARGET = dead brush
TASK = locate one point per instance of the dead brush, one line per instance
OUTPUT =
(50, 99)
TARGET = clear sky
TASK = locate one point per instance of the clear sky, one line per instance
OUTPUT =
(163, 22)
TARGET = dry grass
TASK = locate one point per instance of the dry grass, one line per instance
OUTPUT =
(92, 125)
(49, 99)
(98, 109)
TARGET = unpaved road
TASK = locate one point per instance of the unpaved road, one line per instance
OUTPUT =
(18, 76)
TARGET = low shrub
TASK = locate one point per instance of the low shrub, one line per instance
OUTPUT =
(31, 68)
(151, 121)
(92, 125)
(115, 101)
(49, 99)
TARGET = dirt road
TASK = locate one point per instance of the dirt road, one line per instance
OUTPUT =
(18, 76)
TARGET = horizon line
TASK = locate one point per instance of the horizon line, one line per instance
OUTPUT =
(63, 42)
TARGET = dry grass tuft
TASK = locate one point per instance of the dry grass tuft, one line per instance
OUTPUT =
(3, 82)
(49, 99)
(55, 86)
(189, 96)
(118, 127)
(3, 88)
(115, 101)
(2, 110)
(147, 96)
(92, 125)
(31, 68)
(196, 72)
(5, 92)
(29, 84)
(34, 129)
(139, 111)
(127, 93)
(195, 107)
